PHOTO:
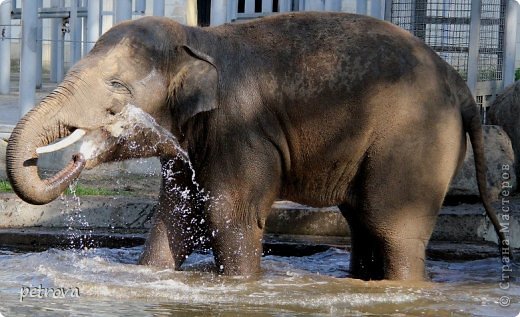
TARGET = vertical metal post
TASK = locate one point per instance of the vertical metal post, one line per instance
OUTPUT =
(5, 46)
(267, 6)
(28, 58)
(284, 5)
(140, 7)
(388, 10)
(249, 6)
(55, 37)
(232, 6)
(218, 12)
(375, 9)
(158, 8)
(510, 42)
(123, 10)
(314, 5)
(75, 32)
(333, 5)
(361, 7)
(39, 49)
(93, 22)
(474, 45)
(60, 52)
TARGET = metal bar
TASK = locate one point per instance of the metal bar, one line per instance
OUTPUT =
(314, 5)
(388, 10)
(267, 6)
(218, 12)
(249, 6)
(474, 44)
(123, 10)
(28, 58)
(361, 7)
(5, 46)
(39, 48)
(191, 12)
(333, 5)
(55, 35)
(75, 32)
(60, 53)
(284, 5)
(140, 7)
(93, 22)
(510, 42)
(158, 8)
(375, 9)
(232, 10)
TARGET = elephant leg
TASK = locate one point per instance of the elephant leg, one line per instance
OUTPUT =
(178, 225)
(237, 215)
(366, 261)
(157, 250)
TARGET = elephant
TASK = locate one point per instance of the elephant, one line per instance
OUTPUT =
(324, 109)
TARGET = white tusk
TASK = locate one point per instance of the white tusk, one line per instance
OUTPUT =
(74, 137)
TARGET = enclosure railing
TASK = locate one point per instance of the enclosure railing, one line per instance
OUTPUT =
(476, 37)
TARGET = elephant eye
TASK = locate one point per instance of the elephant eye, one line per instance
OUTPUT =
(118, 86)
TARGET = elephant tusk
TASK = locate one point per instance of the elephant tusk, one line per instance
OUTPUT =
(74, 137)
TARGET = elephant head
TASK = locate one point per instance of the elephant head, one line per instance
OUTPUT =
(129, 97)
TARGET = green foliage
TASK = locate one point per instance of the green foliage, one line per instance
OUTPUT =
(5, 187)
(517, 74)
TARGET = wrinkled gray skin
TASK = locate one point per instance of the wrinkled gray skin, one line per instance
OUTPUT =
(505, 112)
(322, 109)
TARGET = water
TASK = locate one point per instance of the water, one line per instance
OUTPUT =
(111, 284)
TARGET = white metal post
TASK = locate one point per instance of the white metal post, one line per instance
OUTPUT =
(388, 10)
(333, 5)
(510, 42)
(284, 5)
(5, 46)
(314, 5)
(28, 58)
(75, 32)
(375, 9)
(232, 11)
(56, 36)
(93, 22)
(249, 6)
(123, 10)
(158, 8)
(39, 49)
(267, 6)
(140, 7)
(218, 12)
(361, 7)
(474, 45)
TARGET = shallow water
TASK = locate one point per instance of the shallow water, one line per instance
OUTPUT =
(110, 284)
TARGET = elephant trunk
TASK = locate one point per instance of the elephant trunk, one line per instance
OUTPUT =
(40, 127)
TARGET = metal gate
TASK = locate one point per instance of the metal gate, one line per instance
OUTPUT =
(477, 38)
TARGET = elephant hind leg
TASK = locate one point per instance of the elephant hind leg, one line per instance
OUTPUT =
(366, 260)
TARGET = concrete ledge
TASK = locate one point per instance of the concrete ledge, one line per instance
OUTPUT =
(455, 223)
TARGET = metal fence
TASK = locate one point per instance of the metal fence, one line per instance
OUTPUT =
(470, 35)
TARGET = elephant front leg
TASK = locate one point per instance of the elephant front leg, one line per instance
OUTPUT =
(178, 226)
(236, 238)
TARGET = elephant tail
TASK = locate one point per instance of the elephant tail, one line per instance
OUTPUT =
(473, 126)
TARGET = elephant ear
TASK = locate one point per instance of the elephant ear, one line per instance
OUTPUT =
(194, 88)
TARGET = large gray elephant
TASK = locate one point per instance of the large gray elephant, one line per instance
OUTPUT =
(318, 108)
